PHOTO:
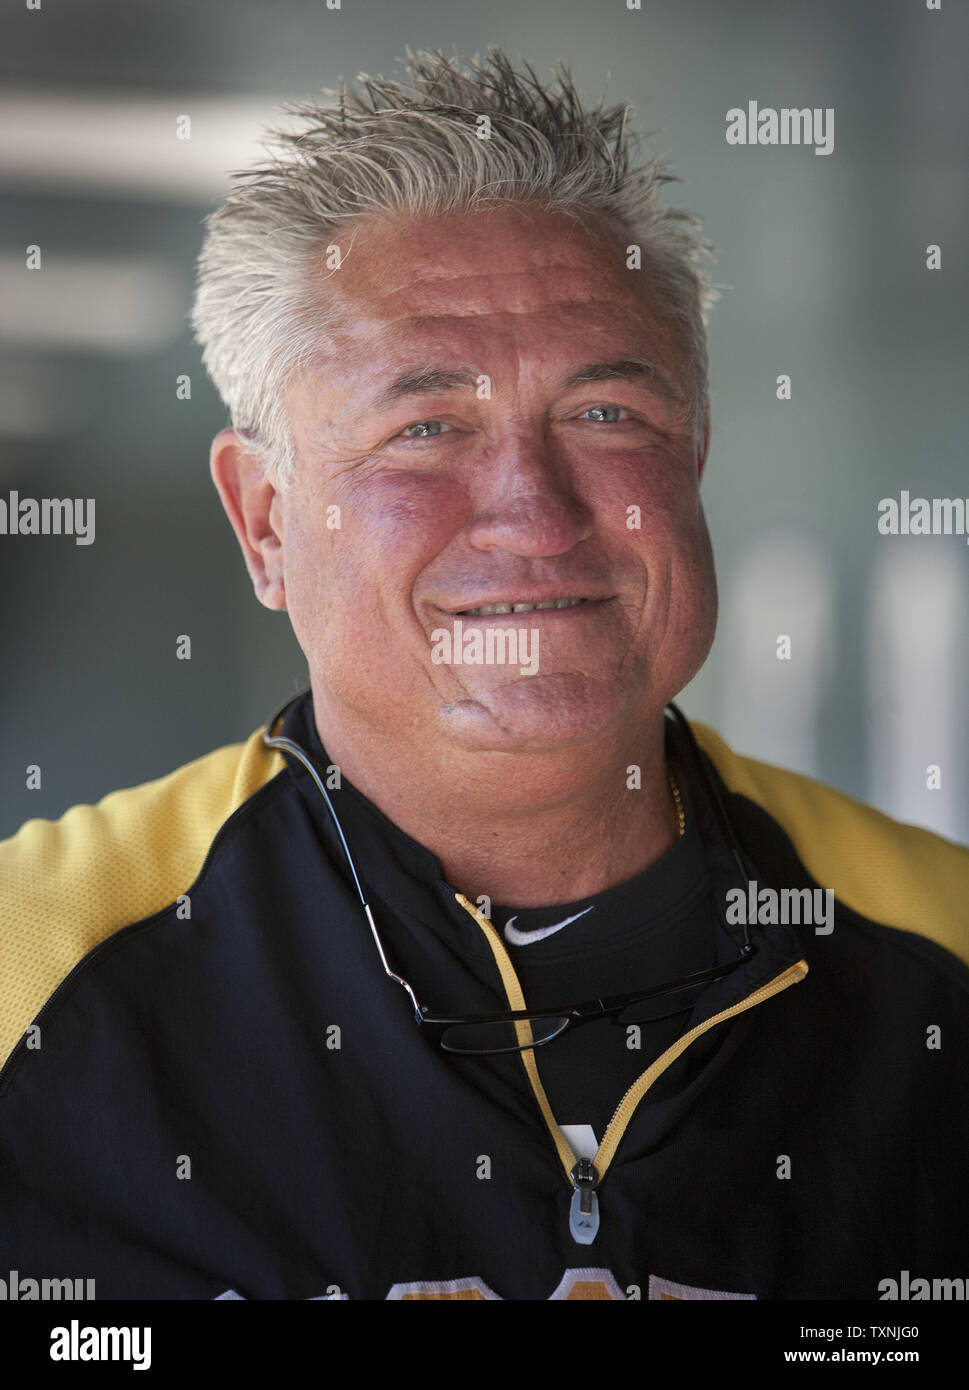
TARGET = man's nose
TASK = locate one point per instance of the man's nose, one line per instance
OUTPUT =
(525, 501)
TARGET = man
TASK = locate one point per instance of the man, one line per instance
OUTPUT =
(463, 349)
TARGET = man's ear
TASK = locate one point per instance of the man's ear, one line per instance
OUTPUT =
(252, 505)
(703, 444)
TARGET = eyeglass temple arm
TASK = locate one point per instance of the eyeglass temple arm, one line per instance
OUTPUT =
(297, 752)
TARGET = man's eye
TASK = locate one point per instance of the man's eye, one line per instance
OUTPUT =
(606, 414)
(423, 429)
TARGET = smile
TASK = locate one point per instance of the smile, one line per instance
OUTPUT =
(489, 608)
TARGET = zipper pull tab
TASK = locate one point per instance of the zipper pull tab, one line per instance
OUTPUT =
(584, 1211)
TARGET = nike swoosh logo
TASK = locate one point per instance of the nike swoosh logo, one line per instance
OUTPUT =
(522, 938)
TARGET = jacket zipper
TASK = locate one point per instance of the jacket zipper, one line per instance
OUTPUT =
(585, 1175)
(584, 1208)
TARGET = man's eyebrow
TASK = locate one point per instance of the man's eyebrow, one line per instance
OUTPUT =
(422, 381)
(626, 369)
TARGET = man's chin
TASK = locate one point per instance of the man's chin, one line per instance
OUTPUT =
(533, 714)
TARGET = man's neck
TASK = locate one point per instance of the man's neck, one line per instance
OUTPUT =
(528, 830)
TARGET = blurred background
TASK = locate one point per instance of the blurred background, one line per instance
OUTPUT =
(823, 264)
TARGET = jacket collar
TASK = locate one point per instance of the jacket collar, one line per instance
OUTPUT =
(407, 878)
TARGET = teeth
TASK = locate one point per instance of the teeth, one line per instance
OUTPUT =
(489, 608)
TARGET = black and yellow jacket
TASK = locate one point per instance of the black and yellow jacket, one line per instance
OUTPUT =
(211, 1089)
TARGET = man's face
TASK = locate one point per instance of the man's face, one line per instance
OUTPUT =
(455, 492)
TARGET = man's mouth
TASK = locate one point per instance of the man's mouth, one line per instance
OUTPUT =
(487, 610)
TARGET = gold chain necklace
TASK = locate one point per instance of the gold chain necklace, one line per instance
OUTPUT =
(680, 813)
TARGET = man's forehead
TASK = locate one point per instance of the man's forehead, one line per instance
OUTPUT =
(461, 264)
(497, 291)
(469, 331)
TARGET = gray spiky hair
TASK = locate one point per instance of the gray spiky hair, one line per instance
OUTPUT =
(259, 314)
